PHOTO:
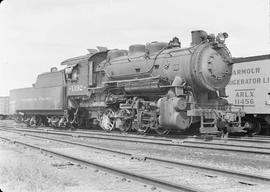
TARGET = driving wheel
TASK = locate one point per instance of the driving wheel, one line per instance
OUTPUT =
(107, 120)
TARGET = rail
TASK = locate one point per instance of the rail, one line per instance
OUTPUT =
(134, 176)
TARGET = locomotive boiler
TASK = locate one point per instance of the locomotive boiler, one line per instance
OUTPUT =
(158, 86)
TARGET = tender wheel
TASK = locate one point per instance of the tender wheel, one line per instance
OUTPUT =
(55, 122)
(39, 121)
(35, 121)
(162, 131)
(107, 120)
(78, 123)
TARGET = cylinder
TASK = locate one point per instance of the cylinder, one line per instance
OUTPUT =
(179, 104)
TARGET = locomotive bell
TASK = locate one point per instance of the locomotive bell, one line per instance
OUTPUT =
(221, 37)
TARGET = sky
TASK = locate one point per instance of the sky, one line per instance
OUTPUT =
(36, 35)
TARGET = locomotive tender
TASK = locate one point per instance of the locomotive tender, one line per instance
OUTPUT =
(158, 86)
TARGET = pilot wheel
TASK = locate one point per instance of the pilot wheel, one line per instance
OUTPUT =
(162, 131)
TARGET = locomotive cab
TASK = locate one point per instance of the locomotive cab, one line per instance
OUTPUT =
(76, 77)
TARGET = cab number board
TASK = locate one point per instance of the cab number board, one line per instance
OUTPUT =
(76, 88)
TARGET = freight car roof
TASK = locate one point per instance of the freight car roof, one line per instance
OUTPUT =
(252, 58)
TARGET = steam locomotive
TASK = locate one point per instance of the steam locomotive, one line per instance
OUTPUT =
(158, 86)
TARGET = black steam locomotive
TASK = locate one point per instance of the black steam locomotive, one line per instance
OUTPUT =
(158, 86)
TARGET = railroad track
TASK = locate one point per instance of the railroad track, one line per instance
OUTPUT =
(249, 179)
(169, 139)
(157, 141)
(138, 177)
(254, 139)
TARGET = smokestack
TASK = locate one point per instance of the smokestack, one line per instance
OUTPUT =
(198, 36)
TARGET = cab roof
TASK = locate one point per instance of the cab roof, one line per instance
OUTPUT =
(75, 60)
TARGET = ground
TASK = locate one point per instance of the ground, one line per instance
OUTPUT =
(27, 170)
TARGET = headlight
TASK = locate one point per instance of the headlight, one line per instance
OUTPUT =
(221, 37)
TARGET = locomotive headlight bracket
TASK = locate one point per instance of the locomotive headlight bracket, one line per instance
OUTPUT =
(221, 37)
